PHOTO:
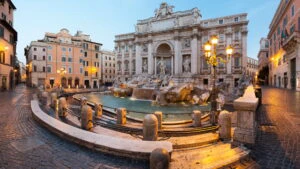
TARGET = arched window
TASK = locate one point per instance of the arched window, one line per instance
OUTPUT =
(2, 57)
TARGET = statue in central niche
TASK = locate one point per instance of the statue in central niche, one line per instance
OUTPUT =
(162, 66)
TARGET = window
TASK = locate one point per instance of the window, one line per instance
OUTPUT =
(278, 30)
(292, 29)
(44, 57)
(81, 70)
(69, 59)
(96, 55)
(49, 58)
(70, 70)
(49, 47)
(237, 61)
(11, 39)
(236, 19)
(85, 54)
(293, 10)
(221, 21)
(34, 49)
(285, 21)
(96, 74)
(63, 49)
(87, 63)
(34, 57)
(205, 81)
(49, 69)
(222, 37)
(70, 49)
(97, 48)
(85, 46)
(221, 80)
(86, 73)
(2, 57)
(83, 63)
(3, 16)
(1, 32)
(44, 49)
(44, 69)
(34, 68)
(63, 58)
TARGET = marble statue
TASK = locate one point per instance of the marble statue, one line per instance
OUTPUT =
(162, 66)
(186, 65)
(145, 66)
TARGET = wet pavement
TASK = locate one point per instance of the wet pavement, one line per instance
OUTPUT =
(277, 143)
(25, 144)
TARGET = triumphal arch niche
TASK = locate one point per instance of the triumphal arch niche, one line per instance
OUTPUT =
(171, 43)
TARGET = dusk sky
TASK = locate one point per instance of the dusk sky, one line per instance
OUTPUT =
(103, 19)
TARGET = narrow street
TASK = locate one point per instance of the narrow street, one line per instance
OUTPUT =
(277, 143)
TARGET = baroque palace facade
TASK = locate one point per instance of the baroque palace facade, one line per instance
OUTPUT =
(174, 41)
(61, 59)
(284, 46)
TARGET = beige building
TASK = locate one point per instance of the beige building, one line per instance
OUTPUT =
(61, 59)
(171, 43)
(252, 67)
(263, 54)
(8, 43)
(284, 49)
(108, 63)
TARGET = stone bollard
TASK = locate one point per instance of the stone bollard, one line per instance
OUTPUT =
(196, 118)
(159, 159)
(225, 125)
(150, 128)
(83, 101)
(44, 99)
(86, 117)
(62, 107)
(98, 110)
(121, 116)
(53, 100)
(158, 115)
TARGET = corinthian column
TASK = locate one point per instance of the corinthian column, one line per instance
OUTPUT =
(194, 57)
(150, 57)
(138, 60)
(178, 57)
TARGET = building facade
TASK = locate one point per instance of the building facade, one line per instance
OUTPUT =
(284, 49)
(8, 43)
(263, 54)
(108, 65)
(61, 59)
(252, 67)
(171, 43)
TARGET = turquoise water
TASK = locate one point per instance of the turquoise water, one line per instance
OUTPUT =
(138, 108)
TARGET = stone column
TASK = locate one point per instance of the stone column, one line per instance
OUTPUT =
(121, 116)
(244, 47)
(150, 57)
(158, 115)
(194, 56)
(150, 128)
(159, 159)
(130, 59)
(225, 125)
(246, 124)
(196, 118)
(229, 42)
(178, 57)
(155, 70)
(138, 59)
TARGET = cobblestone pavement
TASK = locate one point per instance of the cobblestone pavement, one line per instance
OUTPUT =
(25, 144)
(277, 143)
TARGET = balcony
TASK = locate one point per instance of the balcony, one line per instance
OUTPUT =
(236, 69)
(291, 41)
(221, 70)
(205, 71)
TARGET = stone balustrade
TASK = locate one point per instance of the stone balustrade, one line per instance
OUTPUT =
(136, 149)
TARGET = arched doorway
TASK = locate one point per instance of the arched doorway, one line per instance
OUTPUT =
(63, 82)
(70, 81)
(164, 60)
(76, 82)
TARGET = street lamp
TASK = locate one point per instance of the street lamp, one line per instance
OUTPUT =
(210, 51)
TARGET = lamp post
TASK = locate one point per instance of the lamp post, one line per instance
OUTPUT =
(210, 49)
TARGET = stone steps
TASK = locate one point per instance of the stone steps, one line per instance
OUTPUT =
(207, 157)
